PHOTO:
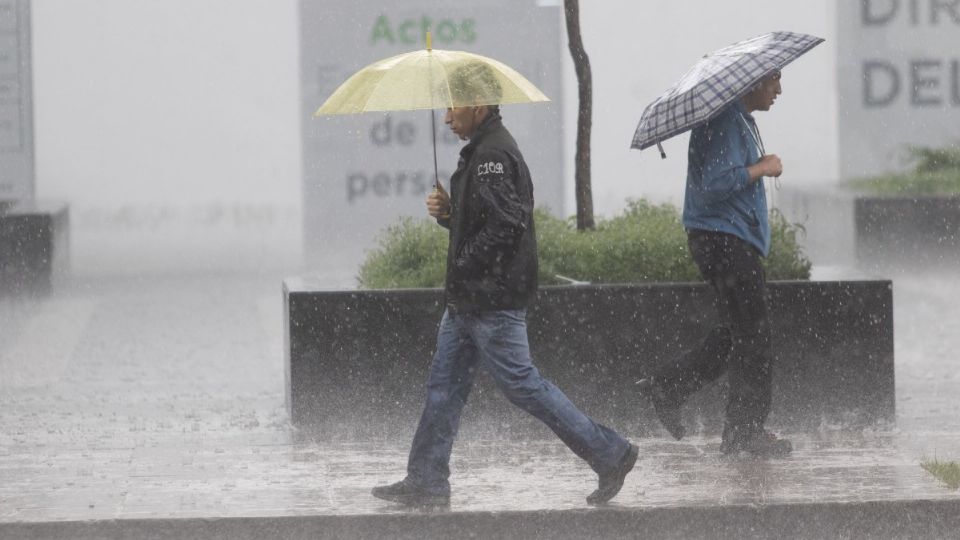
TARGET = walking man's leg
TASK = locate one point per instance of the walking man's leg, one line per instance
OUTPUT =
(750, 371)
(448, 386)
(501, 338)
(674, 382)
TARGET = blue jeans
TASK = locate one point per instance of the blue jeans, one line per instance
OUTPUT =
(497, 340)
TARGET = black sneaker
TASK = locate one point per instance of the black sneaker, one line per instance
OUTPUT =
(611, 483)
(409, 495)
(763, 444)
(667, 409)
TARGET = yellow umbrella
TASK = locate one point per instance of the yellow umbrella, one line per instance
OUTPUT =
(430, 79)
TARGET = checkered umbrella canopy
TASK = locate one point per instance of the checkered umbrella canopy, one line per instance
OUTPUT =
(716, 81)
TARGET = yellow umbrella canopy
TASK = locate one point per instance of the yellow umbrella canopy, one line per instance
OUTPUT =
(430, 79)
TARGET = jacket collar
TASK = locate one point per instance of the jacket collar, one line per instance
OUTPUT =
(738, 105)
(492, 122)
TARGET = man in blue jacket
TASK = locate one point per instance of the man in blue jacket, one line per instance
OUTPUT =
(725, 215)
(491, 278)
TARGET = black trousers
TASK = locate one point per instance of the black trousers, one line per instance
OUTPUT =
(740, 345)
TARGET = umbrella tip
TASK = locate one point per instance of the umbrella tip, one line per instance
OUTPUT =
(663, 155)
(429, 41)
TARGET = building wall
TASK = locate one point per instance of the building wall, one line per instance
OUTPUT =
(16, 103)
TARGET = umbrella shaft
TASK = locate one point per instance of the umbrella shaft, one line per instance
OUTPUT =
(433, 132)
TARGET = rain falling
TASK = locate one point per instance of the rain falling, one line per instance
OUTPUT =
(487, 269)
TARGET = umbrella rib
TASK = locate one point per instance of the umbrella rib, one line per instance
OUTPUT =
(446, 83)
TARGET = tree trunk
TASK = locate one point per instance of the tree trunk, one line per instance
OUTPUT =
(581, 62)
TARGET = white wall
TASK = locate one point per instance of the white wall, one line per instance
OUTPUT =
(171, 127)
(639, 49)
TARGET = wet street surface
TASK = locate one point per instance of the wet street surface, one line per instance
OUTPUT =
(164, 398)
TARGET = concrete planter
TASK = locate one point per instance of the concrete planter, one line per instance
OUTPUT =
(920, 228)
(357, 360)
(34, 246)
(845, 227)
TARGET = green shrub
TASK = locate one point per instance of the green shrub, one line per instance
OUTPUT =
(947, 472)
(786, 259)
(412, 253)
(936, 171)
(646, 243)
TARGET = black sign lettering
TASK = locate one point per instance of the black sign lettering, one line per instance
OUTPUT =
(932, 12)
(873, 13)
(955, 86)
(384, 184)
(356, 186)
(924, 75)
(405, 133)
(383, 133)
(881, 84)
(380, 132)
(950, 6)
(381, 184)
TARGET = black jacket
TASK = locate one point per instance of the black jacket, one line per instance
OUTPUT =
(492, 256)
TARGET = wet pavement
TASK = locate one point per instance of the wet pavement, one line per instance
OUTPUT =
(163, 397)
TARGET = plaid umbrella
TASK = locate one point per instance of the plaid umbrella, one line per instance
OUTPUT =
(716, 81)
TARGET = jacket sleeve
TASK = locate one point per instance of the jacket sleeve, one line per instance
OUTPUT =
(504, 216)
(722, 157)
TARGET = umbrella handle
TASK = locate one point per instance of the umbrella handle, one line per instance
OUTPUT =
(663, 155)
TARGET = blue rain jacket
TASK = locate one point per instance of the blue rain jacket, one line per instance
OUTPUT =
(719, 195)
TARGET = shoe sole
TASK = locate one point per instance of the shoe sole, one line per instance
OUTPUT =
(419, 502)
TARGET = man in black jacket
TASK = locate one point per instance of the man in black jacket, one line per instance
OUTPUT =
(491, 277)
